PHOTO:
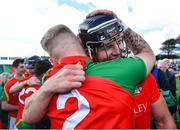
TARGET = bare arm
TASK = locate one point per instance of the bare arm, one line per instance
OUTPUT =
(8, 107)
(161, 115)
(17, 87)
(36, 106)
(140, 48)
(134, 41)
(71, 76)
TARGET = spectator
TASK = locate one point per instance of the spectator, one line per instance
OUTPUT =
(170, 77)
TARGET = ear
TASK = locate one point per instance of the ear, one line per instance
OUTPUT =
(53, 61)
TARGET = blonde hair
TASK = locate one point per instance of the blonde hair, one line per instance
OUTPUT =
(52, 33)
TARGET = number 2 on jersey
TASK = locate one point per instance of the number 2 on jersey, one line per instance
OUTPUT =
(83, 109)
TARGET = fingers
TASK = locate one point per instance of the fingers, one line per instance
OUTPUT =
(101, 12)
(69, 87)
(79, 63)
(33, 81)
(73, 85)
(74, 75)
(70, 70)
(76, 78)
(67, 78)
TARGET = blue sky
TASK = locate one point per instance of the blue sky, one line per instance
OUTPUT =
(23, 23)
(79, 6)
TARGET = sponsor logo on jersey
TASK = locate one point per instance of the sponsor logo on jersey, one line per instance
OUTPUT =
(140, 108)
(138, 90)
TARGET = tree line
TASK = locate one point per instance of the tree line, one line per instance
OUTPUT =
(170, 49)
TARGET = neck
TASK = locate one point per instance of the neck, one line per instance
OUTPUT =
(72, 53)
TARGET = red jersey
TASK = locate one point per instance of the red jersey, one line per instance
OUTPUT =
(11, 98)
(25, 93)
(103, 101)
(145, 94)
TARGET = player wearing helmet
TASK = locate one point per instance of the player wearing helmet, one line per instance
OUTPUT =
(97, 34)
(101, 33)
(92, 104)
(29, 65)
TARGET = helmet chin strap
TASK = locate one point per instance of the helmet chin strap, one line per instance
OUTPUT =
(120, 50)
(89, 51)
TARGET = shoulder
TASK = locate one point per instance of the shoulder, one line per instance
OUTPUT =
(10, 82)
(131, 61)
(149, 80)
(150, 83)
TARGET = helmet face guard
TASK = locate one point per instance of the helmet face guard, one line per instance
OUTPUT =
(30, 62)
(100, 31)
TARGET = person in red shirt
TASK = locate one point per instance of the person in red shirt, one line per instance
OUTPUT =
(29, 65)
(93, 105)
(10, 101)
(40, 67)
(146, 94)
(148, 100)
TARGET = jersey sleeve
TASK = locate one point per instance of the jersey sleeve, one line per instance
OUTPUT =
(127, 72)
(155, 91)
(132, 72)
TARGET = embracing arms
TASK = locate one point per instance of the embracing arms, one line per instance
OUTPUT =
(134, 41)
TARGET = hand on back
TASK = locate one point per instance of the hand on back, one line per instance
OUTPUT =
(69, 77)
(33, 81)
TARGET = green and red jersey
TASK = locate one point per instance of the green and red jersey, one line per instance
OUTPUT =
(11, 98)
(146, 94)
(105, 100)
